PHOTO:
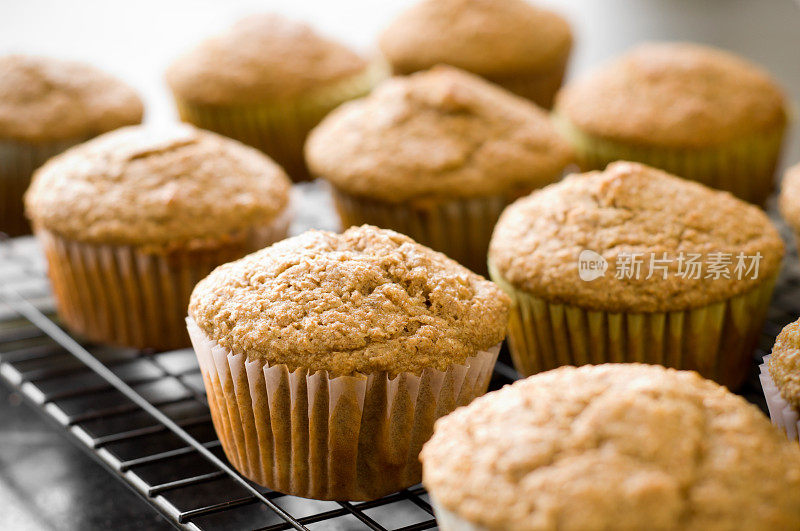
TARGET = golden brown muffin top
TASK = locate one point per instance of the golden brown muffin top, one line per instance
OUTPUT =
(674, 95)
(489, 37)
(789, 198)
(629, 214)
(141, 186)
(261, 58)
(438, 133)
(44, 100)
(365, 301)
(784, 363)
(618, 446)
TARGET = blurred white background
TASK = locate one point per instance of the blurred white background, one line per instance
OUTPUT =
(138, 39)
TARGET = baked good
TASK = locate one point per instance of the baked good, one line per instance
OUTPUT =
(338, 351)
(132, 219)
(617, 446)
(46, 106)
(698, 112)
(436, 155)
(266, 82)
(789, 198)
(510, 42)
(633, 264)
(780, 379)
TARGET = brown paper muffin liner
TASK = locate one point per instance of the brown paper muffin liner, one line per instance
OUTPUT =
(745, 168)
(18, 161)
(315, 435)
(131, 296)
(782, 414)
(459, 228)
(279, 129)
(715, 340)
(541, 88)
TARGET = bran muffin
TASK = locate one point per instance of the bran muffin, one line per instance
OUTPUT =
(327, 357)
(789, 199)
(46, 106)
(780, 379)
(698, 112)
(509, 42)
(266, 82)
(436, 155)
(131, 220)
(684, 273)
(618, 446)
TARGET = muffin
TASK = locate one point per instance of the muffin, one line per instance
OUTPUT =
(266, 82)
(700, 113)
(780, 379)
(633, 264)
(437, 156)
(613, 446)
(789, 199)
(327, 357)
(509, 42)
(46, 106)
(132, 220)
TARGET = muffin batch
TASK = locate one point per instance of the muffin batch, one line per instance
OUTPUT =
(350, 366)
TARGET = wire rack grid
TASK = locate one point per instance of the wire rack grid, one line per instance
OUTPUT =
(143, 414)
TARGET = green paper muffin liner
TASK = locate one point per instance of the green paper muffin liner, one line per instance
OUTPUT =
(745, 168)
(131, 296)
(459, 228)
(18, 161)
(279, 129)
(781, 413)
(717, 340)
(315, 435)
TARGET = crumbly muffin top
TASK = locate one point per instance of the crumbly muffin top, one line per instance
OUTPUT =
(789, 198)
(365, 301)
(489, 37)
(632, 214)
(442, 132)
(675, 95)
(261, 58)
(44, 99)
(614, 446)
(141, 186)
(784, 363)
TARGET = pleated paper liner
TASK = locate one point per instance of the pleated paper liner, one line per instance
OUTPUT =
(717, 340)
(315, 435)
(279, 129)
(541, 88)
(745, 168)
(449, 521)
(18, 161)
(131, 296)
(459, 228)
(782, 414)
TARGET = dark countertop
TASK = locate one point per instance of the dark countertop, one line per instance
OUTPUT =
(48, 483)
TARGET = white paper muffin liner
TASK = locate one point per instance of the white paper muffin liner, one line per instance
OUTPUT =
(447, 520)
(315, 435)
(136, 297)
(781, 412)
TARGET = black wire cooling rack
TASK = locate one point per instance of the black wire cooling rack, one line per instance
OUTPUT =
(143, 414)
